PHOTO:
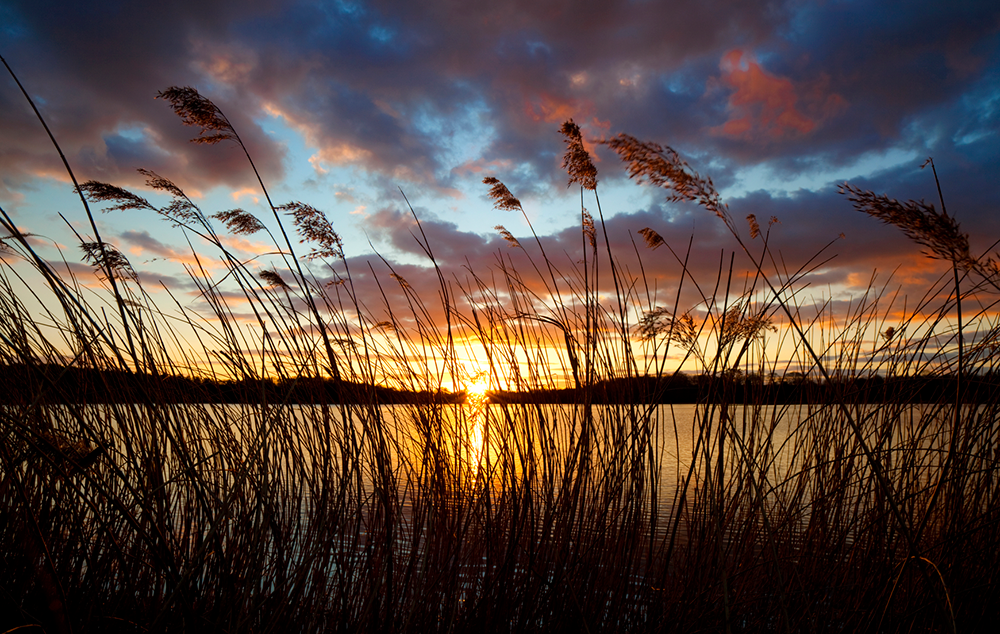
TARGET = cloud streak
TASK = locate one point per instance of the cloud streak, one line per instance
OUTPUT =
(365, 97)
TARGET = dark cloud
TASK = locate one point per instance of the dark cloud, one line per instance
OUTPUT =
(432, 96)
(94, 71)
(395, 87)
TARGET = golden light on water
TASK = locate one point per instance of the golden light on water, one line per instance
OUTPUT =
(476, 394)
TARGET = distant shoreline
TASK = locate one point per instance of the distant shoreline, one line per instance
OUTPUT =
(51, 383)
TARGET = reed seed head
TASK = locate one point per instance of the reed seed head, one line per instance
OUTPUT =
(502, 198)
(576, 160)
(653, 239)
(7, 241)
(508, 236)
(124, 200)
(399, 278)
(273, 278)
(663, 167)
(63, 450)
(180, 210)
(107, 258)
(239, 221)
(738, 325)
(200, 112)
(937, 232)
(589, 229)
(157, 182)
(314, 227)
(662, 321)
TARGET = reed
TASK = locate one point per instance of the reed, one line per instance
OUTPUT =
(806, 492)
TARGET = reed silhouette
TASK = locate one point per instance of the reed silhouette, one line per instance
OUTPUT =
(860, 512)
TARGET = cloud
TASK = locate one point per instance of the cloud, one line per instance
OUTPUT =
(143, 244)
(94, 74)
(765, 107)
(431, 99)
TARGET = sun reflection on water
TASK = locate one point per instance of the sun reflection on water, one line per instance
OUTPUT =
(477, 398)
(476, 391)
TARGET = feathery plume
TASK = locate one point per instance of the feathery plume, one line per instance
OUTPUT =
(239, 221)
(653, 239)
(577, 161)
(502, 198)
(658, 321)
(124, 200)
(737, 327)
(314, 227)
(663, 167)
(508, 236)
(105, 257)
(399, 278)
(589, 229)
(273, 279)
(181, 210)
(937, 232)
(7, 242)
(68, 453)
(157, 182)
(754, 227)
(197, 111)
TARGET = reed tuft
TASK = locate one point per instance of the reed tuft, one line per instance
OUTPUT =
(123, 199)
(937, 232)
(239, 221)
(106, 257)
(314, 227)
(576, 160)
(273, 278)
(199, 112)
(589, 229)
(661, 166)
(652, 238)
(503, 200)
(508, 236)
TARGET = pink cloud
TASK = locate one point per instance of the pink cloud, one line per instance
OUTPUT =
(550, 109)
(763, 105)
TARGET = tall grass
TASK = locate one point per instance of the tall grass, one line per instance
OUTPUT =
(855, 511)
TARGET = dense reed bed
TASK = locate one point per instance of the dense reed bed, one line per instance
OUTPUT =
(856, 512)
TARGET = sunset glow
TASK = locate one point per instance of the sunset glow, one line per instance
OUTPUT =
(778, 113)
(477, 388)
(436, 317)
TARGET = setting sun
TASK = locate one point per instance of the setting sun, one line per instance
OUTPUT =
(477, 387)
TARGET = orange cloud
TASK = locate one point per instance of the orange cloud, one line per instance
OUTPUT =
(553, 110)
(763, 104)
(480, 165)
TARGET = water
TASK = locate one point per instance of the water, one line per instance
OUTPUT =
(627, 460)
(619, 509)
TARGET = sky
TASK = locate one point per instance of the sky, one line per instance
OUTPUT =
(352, 106)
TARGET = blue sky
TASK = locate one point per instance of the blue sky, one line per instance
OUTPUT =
(343, 105)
